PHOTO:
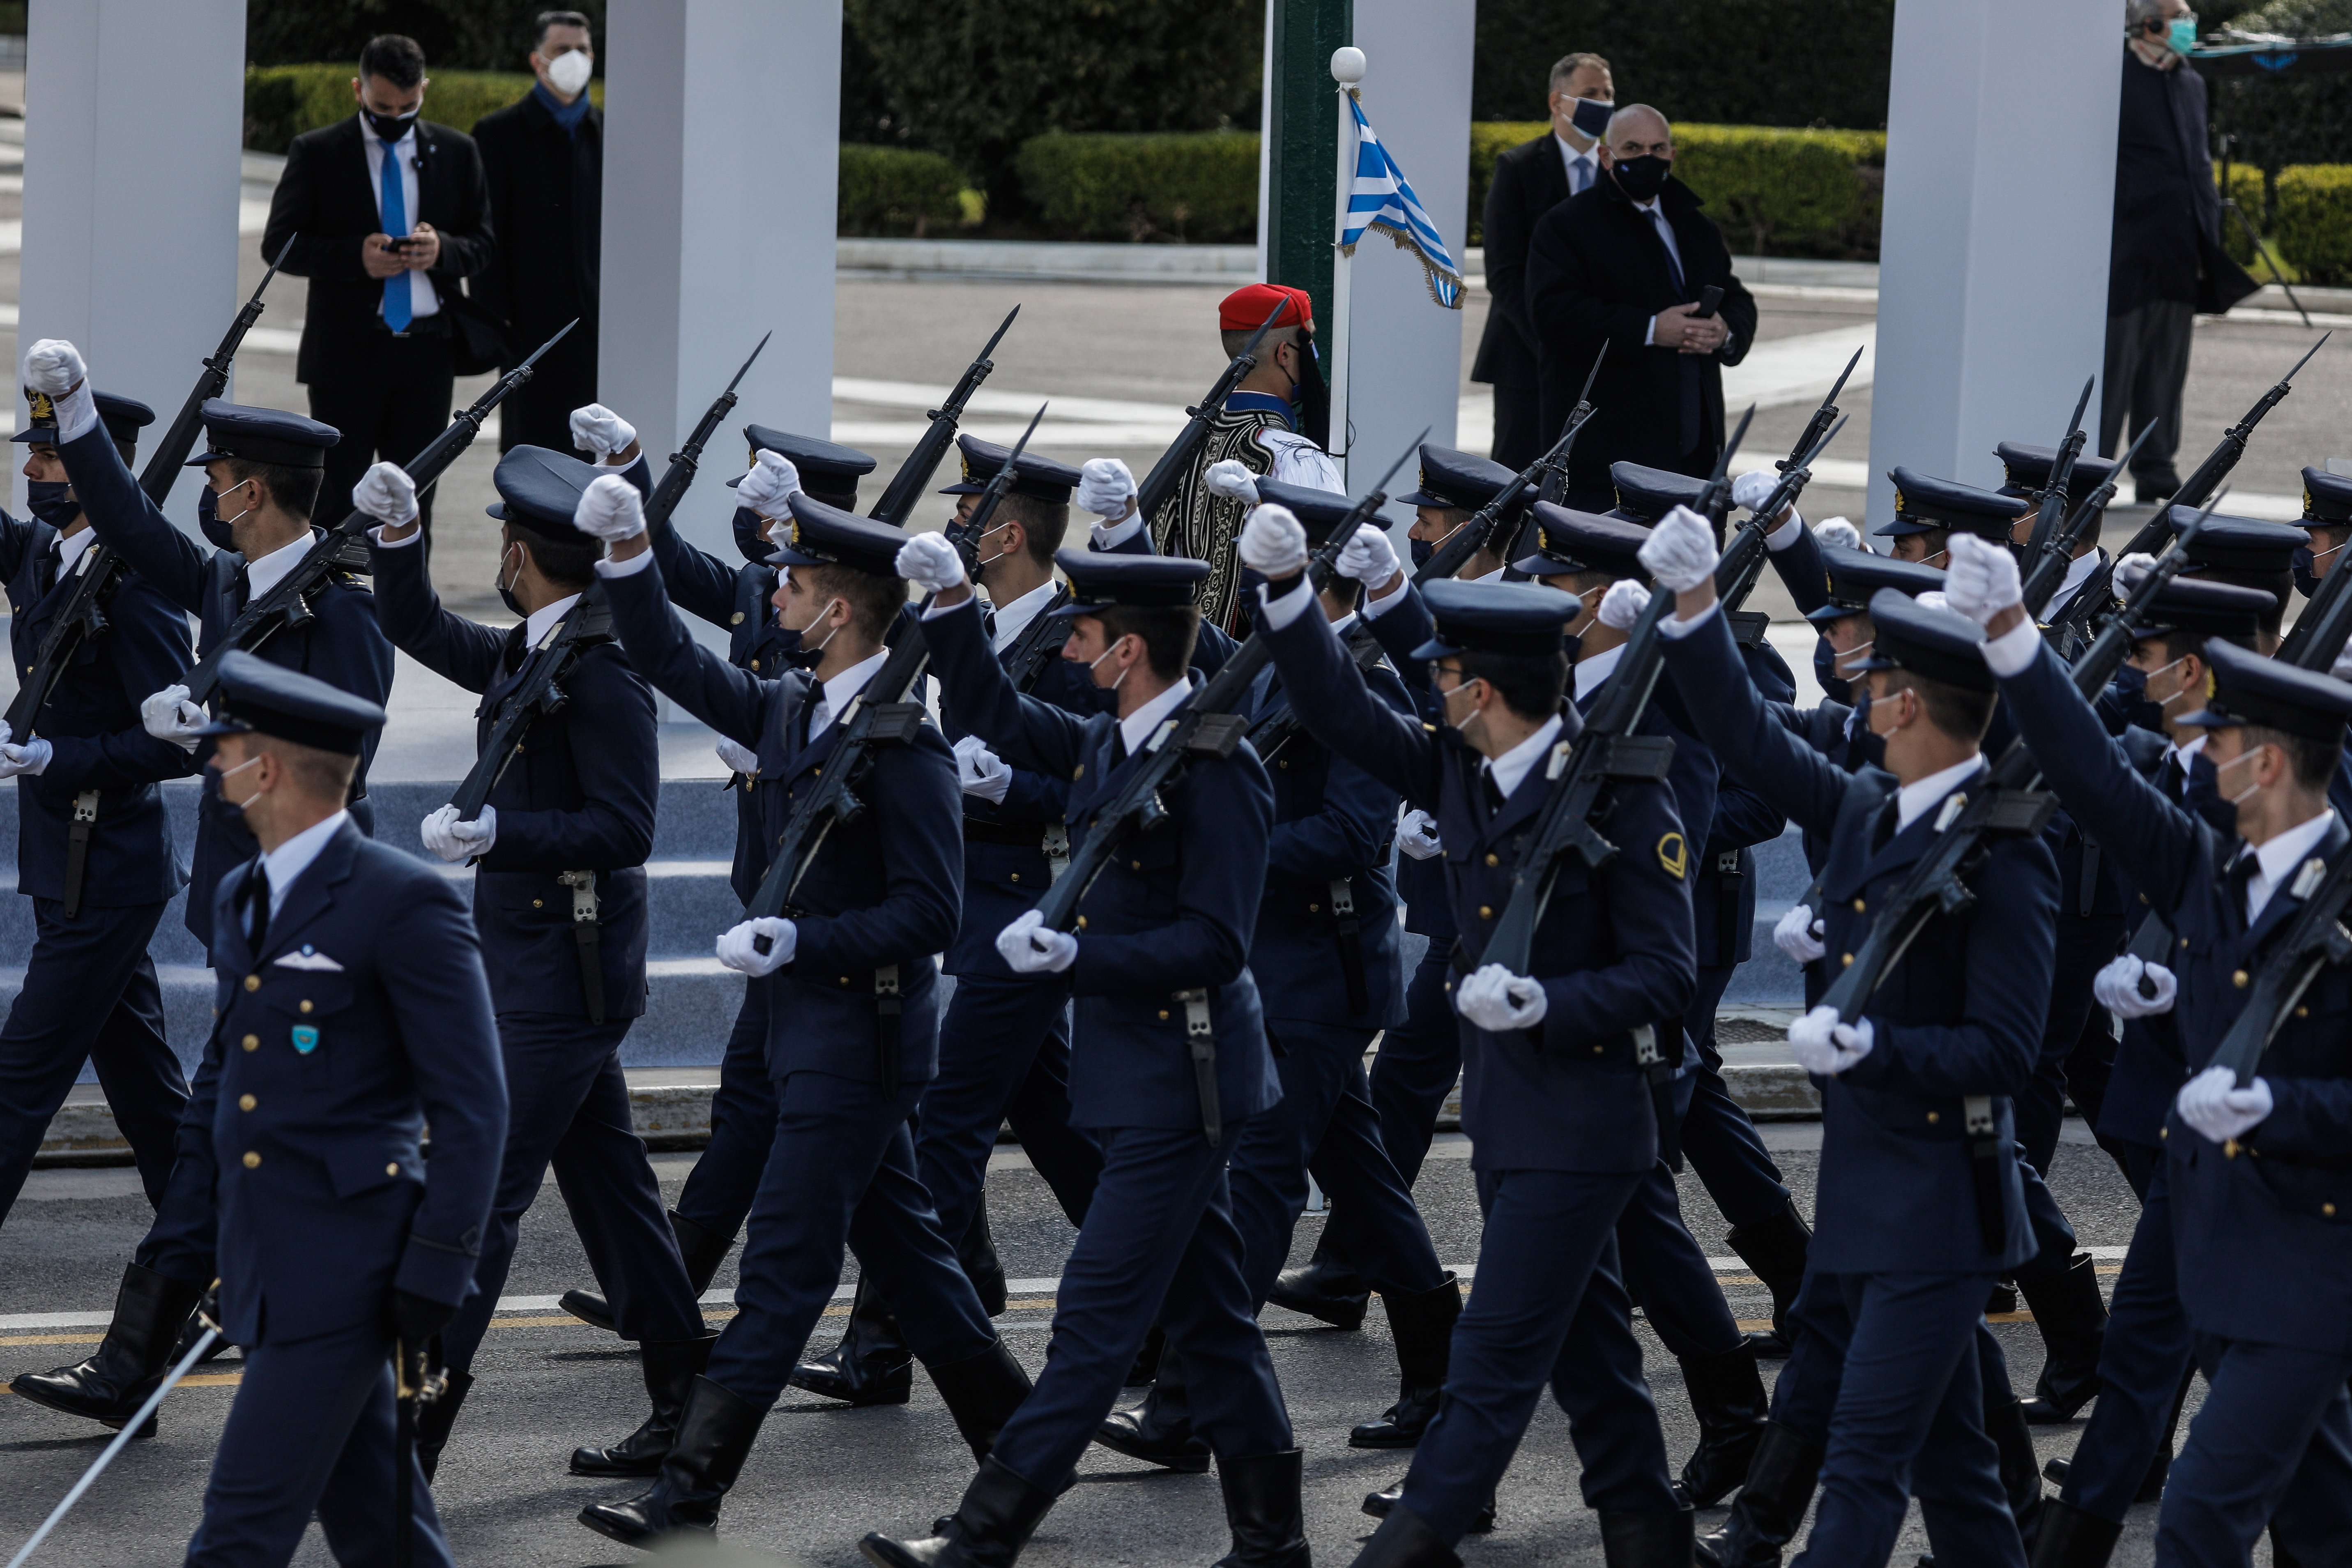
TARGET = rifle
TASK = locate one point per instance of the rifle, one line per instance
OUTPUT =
(2314, 940)
(1471, 537)
(687, 461)
(288, 603)
(2051, 513)
(2049, 570)
(2218, 462)
(1742, 564)
(907, 486)
(1175, 462)
(100, 568)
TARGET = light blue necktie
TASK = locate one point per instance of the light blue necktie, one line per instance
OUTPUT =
(396, 287)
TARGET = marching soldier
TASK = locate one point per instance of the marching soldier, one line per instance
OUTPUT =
(353, 1011)
(561, 842)
(852, 996)
(1929, 511)
(93, 842)
(1161, 960)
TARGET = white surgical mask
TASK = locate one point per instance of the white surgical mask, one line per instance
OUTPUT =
(569, 72)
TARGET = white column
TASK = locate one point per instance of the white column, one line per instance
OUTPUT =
(1994, 257)
(1404, 349)
(135, 109)
(721, 163)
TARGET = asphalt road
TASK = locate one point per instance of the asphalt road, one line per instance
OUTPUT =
(822, 1474)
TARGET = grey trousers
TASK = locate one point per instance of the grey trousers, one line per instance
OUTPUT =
(2147, 366)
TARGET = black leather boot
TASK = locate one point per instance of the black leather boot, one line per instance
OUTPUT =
(982, 1392)
(703, 1250)
(1422, 1326)
(2020, 1467)
(1160, 1430)
(1142, 1370)
(1326, 1289)
(1727, 1393)
(715, 1432)
(2072, 1319)
(988, 1528)
(435, 1421)
(977, 1253)
(670, 1368)
(2069, 1538)
(1770, 1505)
(1403, 1540)
(194, 1330)
(1381, 1504)
(1776, 1251)
(871, 1365)
(1647, 1539)
(1264, 1509)
(150, 1309)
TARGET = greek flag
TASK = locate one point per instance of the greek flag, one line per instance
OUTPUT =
(1383, 199)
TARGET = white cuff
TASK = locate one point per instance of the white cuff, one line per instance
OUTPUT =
(1785, 535)
(1375, 608)
(77, 413)
(1280, 613)
(2010, 653)
(1650, 333)
(608, 567)
(1117, 534)
(936, 610)
(1674, 629)
(415, 534)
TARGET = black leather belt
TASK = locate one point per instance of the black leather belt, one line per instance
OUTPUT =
(979, 830)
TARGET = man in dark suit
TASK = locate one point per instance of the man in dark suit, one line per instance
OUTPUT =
(392, 212)
(1530, 180)
(544, 157)
(1622, 267)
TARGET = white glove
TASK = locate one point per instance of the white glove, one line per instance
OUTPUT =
(1799, 934)
(1031, 947)
(1680, 551)
(1232, 479)
(610, 508)
(931, 563)
(2118, 989)
(739, 949)
(1417, 834)
(2130, 570)
(1368, 558)
(54, 366)
(1752, 490)
(387, 494)
(1981, 580)
(1932, 599)
(1272, 543)
(1499, 1001)
(1623, 604)
(1825, 1047)
(739, 758)
(1838, 531)
(769, 485)
(981, 771)
(28, 757)
(168, 715)
(459, 842)
(600, 432)
(1104, 486)
(2213, 1104)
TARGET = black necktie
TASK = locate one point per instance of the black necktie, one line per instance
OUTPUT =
(1674, 268)
(257, 899)
(1882, 832)
(518, 647)
(1494, 797)
(2171, 780)
(2240, 878)
(1118, 746)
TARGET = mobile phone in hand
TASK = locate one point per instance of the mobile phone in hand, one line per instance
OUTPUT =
(1708, 299)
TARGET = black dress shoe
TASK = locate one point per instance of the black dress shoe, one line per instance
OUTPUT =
(1324, 1290)
(1423, 1327)
(871, 1365)
(1382, 1504)
(998, 1514)
(2073, 1321)
(670, 1369)
(702, 1251)
(715, 1432)
(150, 1310)
(1160, 1430)
(1404, 1541)
(1264, 1511)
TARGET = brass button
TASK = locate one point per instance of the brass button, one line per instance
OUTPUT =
(1598, 1050)
(391, 1167)
(2184, 942)
(306, 1004)
(2164, 1132)
(1163, 1014)
(1485, 911)
(252, 1161)
(1283, 762)
(538, 903)
(253, 983)
(1493, 858)
(844, 980)
(2143, 897)
(2303, 1012)
(247, 1102)
(1845, 960)
(2327, 1209)
(736, 620)
(1082, 922)
(816, 772)
(2239, 979)
(1933, 1117)
(1016, 876)
(2230, 1149)
(1080, 771)
(1314, 909)
(755, 664)
(1858, 906)
(1136, 865)
(252, 1042)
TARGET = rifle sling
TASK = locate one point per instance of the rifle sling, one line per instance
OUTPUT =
(85, 817)
(1201, 1039)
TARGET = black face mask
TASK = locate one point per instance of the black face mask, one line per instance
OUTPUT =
(506, 589)
(389, 128)
(1864, 747)
(209, 520)
(1642, 178)
(755, 549)
(2307, 581)
(1423, 548)
(1313, 399)
(1592, 116)
(49, 502)
(2202, 794)
(2130, 690)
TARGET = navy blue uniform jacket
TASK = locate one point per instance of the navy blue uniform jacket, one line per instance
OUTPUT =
(884, 890)
(365, 1017)
(1613, 952)
(341, 644)
(1175, 910)
(2263, 1225)
(92, 721)
(1960, 1014)
(579, 798)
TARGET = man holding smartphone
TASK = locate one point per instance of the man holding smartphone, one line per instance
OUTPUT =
(392, 212)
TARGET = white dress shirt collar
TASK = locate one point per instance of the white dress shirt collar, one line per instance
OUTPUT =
(293, 858)
(69, 549)
(1591, 672)
(1494, 576)
(1569, 158)
(264, 575)
(1511, 769)
(2078, 571)
(2182, 754)
(534, 625)
(2280, 856)
(838, 691)
(1137, 727)
(1014, 618)
(1912, 801)
(424, 299)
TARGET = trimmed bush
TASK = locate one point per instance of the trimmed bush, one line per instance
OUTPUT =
(1773, 192)
(2313, 223)
(1196, 187)
(895, 190)
(283, 101)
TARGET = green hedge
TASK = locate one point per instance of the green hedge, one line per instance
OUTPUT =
(1774, 191)
(895, 190)
(283, 101)
(2312, 221)
(1200, 188)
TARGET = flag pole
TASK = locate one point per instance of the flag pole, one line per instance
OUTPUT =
(1347, 70)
